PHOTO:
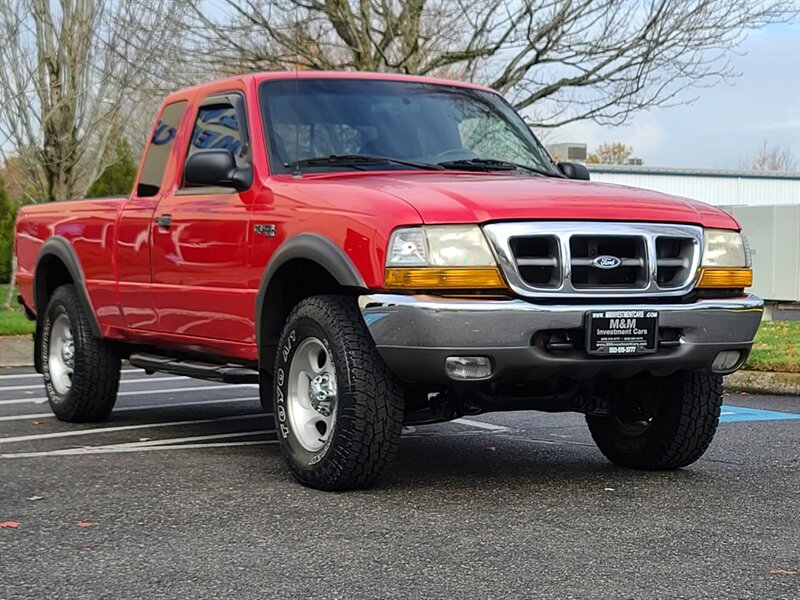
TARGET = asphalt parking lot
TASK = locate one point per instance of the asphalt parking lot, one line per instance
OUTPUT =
(183, 493)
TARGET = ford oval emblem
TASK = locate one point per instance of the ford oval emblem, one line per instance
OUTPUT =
(606, 262)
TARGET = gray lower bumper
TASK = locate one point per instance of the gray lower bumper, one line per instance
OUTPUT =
(415, 334)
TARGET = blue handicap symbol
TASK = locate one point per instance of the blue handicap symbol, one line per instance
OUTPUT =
(735, 414)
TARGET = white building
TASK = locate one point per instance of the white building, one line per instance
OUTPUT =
(720, 187)
(766, 204)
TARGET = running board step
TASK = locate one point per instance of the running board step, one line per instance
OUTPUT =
(192, 368)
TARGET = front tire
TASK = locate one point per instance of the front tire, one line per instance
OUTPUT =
(685, 417)
(338, 408)
(81, 372)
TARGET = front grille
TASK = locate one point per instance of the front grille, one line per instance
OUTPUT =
(631, 251)
(556, 259)
(674, 257)
(538, 260)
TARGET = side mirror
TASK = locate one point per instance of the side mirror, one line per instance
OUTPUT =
(217, 168)
(574, 170)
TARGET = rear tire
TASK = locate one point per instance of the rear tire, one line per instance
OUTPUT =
(687, 408)
(338, 408)
(81, 372)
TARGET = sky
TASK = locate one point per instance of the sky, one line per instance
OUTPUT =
(728, 121)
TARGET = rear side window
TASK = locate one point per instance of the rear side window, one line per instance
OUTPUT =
(157, 154)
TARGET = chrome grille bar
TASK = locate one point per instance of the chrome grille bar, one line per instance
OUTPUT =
(557, 258)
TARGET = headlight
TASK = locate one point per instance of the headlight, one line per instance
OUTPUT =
(724, 249)
(441, 257)
(726, 261)
(441, 245)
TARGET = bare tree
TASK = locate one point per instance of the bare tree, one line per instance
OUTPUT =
(770, 158)
(614, 153)
(71, 74)
(563, 60)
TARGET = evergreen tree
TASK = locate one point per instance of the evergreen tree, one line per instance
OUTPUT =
(117, 178)
(8, 214)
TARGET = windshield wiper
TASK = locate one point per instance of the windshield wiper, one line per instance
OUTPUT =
(491, 164)
(356, 160)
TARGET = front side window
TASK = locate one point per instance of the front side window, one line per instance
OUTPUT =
(420, 122)
(216, 127)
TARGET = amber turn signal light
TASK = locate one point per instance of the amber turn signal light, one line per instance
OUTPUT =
(714, 278)
(432, 278)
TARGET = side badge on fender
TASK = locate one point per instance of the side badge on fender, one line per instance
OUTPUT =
(264, 229)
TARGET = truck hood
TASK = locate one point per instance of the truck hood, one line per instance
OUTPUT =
(478, 198)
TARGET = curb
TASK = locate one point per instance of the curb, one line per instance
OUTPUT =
(16, 351)
(763, 382)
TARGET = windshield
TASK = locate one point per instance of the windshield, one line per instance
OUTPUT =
(415, 122)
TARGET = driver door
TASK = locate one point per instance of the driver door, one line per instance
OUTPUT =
(200, 240)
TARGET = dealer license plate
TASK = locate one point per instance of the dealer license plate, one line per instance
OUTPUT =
(621, 332)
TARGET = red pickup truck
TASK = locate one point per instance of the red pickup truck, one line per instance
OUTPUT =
(376, 250)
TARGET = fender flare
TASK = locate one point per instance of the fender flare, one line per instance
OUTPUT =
(60, 248)
(314, 247)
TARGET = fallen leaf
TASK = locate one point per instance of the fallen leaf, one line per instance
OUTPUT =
(38, 422)
(782, 572)
(86, 524)
(34, 498)
(9, 525)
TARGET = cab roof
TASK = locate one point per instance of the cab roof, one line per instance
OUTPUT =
(258, 78)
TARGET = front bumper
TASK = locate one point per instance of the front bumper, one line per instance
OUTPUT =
(415, 334)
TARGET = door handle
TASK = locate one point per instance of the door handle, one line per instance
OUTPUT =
(164, 221)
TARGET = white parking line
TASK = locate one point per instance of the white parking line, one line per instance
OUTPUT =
(20, 376)
(72, 433)
(139, 380)
(143, 407)
(23, 375)
(126, 449)
(194, 438)
(480, 424)
(185, 442)
(173, 444)
(548, 442)
(195, 388)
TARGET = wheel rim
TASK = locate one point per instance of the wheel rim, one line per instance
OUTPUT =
(61, 354)
(312, 394)
(633, 426)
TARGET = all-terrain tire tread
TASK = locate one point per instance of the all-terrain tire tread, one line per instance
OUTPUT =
(96, 375)
(688, 425)
(369, 427)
